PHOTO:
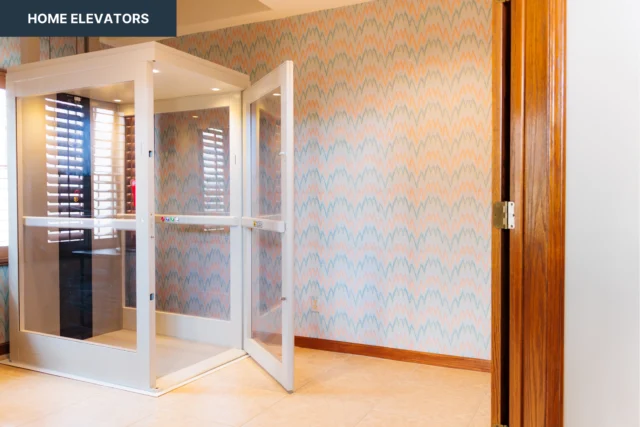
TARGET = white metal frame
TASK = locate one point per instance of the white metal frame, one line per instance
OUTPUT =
(85, 359)
(58, 354)
(136, 369)
(281, 78)
(213, 331)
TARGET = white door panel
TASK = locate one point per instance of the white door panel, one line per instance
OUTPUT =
(267, 223)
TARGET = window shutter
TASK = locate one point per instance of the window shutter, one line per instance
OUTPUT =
(108, 142)
(66, 122)
(214, 167)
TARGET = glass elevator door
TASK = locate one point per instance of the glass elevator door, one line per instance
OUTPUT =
(267, 223)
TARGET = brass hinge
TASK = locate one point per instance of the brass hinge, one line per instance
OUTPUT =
(504, 215)
(500, 425)
(502, 1)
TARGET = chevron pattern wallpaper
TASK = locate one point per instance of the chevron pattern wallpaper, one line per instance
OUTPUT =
(393, 168)
(9, 51)
(50, 47)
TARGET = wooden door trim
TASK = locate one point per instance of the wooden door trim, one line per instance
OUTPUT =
(529, 114)
(499, 238)
(443, 360)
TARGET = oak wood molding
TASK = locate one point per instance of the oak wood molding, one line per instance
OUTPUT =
(500, 238)
(537, 246)
(516, 192)
(4, 348)
(442, 360)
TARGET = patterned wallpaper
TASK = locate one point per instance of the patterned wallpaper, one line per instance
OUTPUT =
(392, 130)
(193, 274)
(58, 47)
(50, 47)
(267, 197)
(266, 246)
(9, 51)
(392, 181)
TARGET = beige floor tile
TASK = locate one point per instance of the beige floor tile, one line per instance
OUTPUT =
(332, 389)
(440, 397)
(355, 383)
(312, 411)
(383, 419)
(362, 379)
(245, 373)
(110, 408)
(172, 418)
(483, 414)
(453, 377)
(302, 354)
(312, 365)
(221, 403)
(383, 365)
(25, 398)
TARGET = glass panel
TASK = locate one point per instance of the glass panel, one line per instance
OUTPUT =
(193, 274)
(266, 290)
(266, 140)
(4, 184)
(73, 166)
(73, 292)
(192, 162)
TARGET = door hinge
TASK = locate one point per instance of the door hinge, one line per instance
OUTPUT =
(500, 425)
(504, 215)
(502, 1)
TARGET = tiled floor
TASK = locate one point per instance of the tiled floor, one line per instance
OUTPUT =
(333, 390)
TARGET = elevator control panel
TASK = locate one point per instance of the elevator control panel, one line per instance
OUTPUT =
(169, 219)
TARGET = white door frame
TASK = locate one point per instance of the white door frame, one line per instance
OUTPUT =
(281, 77)
(224, 333)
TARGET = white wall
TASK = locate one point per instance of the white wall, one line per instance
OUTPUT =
(602, 354)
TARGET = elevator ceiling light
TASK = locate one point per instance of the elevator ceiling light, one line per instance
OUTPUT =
(215, 89)
(156, 71)
(276, 94)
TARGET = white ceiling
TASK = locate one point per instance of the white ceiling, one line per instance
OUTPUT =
(169, 82)
(195, 16)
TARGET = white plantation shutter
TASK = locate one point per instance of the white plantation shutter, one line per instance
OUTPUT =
(4, 185)
(65, 133)
(130, 162)
(107, 146)
(214, 171)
